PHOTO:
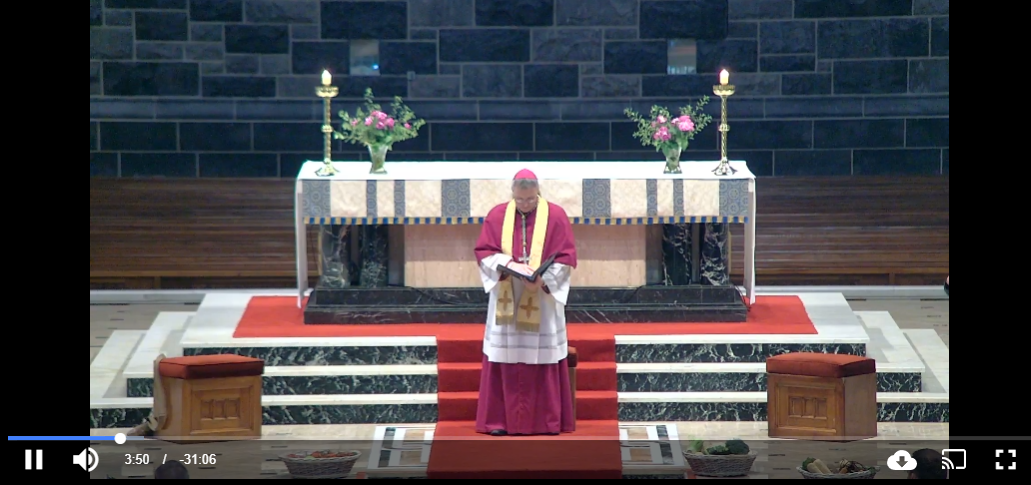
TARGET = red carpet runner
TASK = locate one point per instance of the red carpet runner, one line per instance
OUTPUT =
(593, 451)
(279, 317)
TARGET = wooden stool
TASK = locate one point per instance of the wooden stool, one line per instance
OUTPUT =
(822, 397)
(210, 398)
(572, 360)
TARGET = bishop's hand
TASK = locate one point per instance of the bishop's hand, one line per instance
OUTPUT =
(534, 285)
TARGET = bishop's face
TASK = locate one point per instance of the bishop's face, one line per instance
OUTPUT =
(526, 198)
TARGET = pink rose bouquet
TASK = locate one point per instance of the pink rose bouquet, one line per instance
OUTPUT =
(378, 130)
(668, 134)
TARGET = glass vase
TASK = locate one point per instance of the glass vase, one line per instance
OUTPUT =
(672, 160)
(378, 154)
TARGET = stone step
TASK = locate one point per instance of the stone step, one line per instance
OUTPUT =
(935, 354)
(211, 332)
(751, 406)
(106, 368)
(422, 408)
(464, 377)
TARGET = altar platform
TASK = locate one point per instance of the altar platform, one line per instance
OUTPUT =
(375, 375)
(321, 378)
(655, 244)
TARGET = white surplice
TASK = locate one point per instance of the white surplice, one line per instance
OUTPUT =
(505, 344)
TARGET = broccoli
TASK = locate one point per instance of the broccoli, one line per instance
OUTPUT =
(697, 446)
(719, 450)
(738, 447)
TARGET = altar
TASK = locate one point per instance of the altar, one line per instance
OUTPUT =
(416, 226)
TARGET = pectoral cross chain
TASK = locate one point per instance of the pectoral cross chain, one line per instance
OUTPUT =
(526, 257)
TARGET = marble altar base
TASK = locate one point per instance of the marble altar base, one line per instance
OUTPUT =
(646, 304)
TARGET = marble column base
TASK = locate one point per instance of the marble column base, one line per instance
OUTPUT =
(677, 254)
(336, 266)
(374, 256)
(715, 258)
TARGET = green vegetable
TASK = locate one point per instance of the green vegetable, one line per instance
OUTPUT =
(805, 464)
(697, 446)
(719, 450)
(738, 447)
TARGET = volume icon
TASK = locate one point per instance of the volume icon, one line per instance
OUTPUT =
(33, 459)
(88, 460)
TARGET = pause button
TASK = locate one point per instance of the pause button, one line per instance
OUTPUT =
(33, 459)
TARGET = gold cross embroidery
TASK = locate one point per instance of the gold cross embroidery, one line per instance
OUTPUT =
(505, 301)
(529, 308)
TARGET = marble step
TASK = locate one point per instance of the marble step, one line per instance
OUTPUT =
(464, 377)
(677, 349)
(935, 354)
(422, 408)
(211, 332)
(751, 406)
(107, 366)
(741, 377)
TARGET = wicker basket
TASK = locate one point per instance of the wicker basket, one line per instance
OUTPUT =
(720, 466)
(320, 468)
(866, 475)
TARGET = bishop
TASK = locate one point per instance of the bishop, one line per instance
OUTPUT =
(524, 384)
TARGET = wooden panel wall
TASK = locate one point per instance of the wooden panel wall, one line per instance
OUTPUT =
(181, 234)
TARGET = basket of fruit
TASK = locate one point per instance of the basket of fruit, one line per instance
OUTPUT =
(731, 459)
(320, 465)
(813, 469)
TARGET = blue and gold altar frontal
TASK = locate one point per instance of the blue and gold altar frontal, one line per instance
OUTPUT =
(609, 202)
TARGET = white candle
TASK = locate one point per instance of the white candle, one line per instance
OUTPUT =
(724, 78)
(327, 79)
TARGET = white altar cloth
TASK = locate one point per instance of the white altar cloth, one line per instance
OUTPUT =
(506, 170)
(360, 200)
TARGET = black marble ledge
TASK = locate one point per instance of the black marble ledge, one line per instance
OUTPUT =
(751, 412)
(909, 382)
(376, 315)
(702, 353)
(692, 303)
(322, 385)
(292, 415)
(323, 356)
(618, 297)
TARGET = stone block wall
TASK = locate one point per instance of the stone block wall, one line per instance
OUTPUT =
(225, 88)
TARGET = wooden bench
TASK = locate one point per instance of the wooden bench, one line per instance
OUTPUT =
(849, 231)
(207, 233)
(150, 234)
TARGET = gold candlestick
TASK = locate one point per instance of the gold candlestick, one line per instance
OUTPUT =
(327, 93)
(724, 90)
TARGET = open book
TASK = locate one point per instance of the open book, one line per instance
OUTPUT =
(528, 277)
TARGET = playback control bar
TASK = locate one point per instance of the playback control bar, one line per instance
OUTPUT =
(58, 457)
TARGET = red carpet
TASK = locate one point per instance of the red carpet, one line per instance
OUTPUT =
(593, 451)
(280, 317)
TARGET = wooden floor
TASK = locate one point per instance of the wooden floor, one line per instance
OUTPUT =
(190, 233)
